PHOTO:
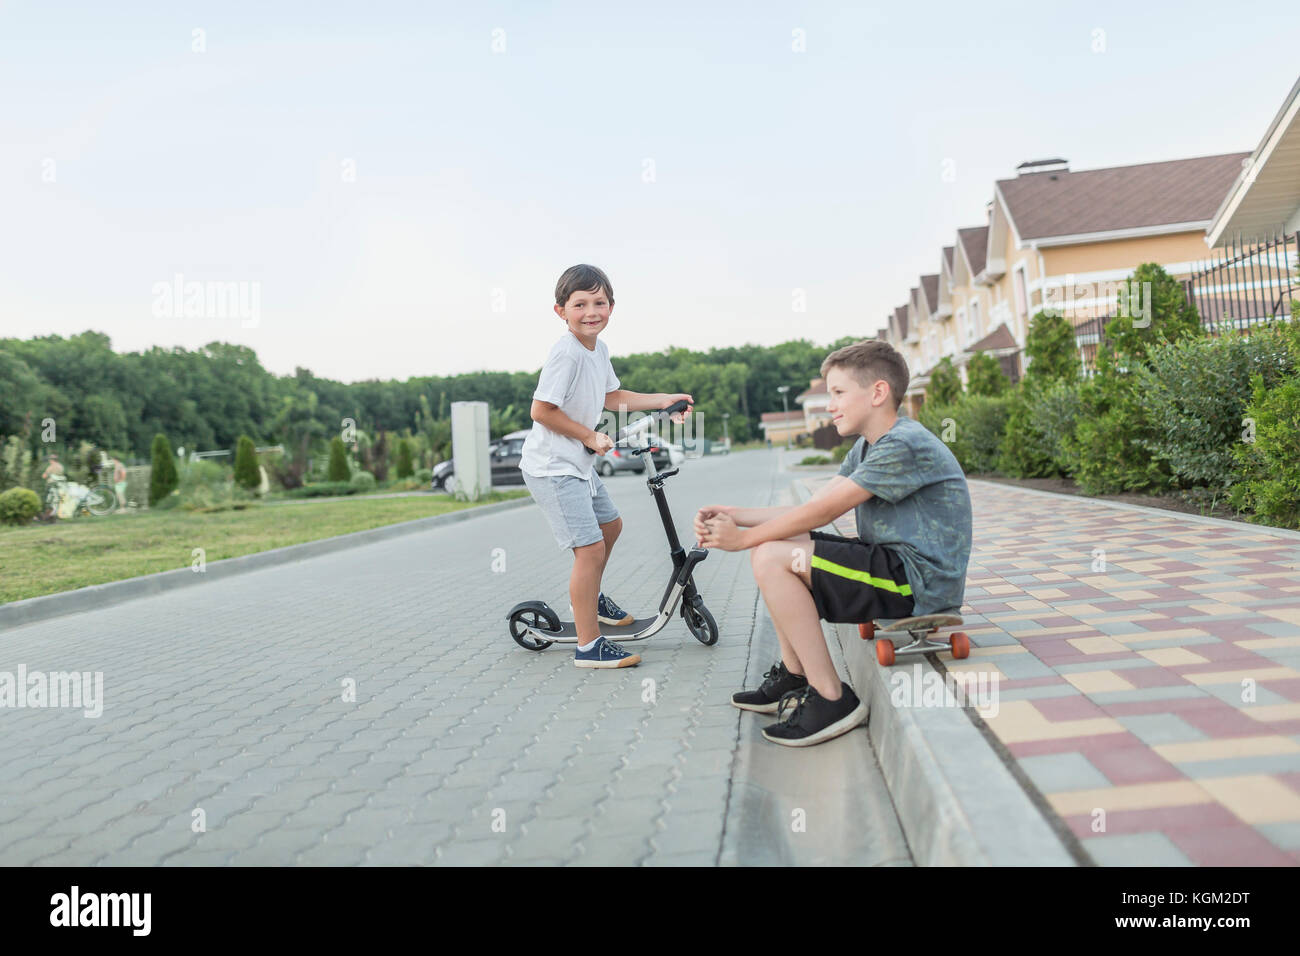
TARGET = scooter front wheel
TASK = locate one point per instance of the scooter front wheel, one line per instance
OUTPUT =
(532, 615)
(700, 623)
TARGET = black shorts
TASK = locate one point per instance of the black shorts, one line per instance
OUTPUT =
(854, 581)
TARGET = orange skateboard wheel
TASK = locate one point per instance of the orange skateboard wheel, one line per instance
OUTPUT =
(867, 631)
(885, 653)
(960, 645)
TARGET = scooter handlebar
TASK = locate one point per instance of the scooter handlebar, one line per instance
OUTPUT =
(642, 424)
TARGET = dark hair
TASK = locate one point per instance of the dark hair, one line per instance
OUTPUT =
(582, 278)
(870, 361)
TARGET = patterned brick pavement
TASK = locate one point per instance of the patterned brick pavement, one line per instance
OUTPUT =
(1148, 665)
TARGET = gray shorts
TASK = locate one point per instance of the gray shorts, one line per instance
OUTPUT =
(575, 508)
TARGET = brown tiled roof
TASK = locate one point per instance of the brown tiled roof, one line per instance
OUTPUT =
(930, 289)
(947, 256)
(1121, 197)
(781, 417)
(900, 321)
(816, 387)
(999, 338)
(975, 240)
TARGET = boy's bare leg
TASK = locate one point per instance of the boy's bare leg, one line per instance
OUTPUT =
(584, 587)
(610, 531)
(788, 655)
(783, 572)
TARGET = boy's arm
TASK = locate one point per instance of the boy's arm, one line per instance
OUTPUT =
(749, 517)
(641, 401)
(560, 423)
(821, 509)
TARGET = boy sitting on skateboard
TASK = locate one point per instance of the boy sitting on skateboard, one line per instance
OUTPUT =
(914, 537)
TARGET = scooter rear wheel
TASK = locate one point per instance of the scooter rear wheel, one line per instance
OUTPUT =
(700, 623)
(528, 617)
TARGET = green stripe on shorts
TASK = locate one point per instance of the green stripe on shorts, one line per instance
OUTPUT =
(884, 584)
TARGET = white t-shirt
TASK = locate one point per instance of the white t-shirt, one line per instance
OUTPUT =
(577, 380)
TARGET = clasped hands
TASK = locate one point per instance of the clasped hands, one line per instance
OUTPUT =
(715, 527)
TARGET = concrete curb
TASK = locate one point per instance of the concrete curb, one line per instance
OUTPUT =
(958, 802)
(30, 610)
(835, 782)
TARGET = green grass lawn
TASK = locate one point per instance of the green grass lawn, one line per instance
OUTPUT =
(47, 559)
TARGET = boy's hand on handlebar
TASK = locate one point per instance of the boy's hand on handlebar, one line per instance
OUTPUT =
(599, 442)
(678, 417)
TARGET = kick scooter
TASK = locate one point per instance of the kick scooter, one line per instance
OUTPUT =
(533, 624)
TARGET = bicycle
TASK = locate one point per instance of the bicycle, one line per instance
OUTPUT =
(99, 500)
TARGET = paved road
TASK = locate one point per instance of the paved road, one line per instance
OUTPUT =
(225, 712)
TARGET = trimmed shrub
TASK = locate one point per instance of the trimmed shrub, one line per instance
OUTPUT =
(338, 467)
(815, 460)
(405, 468)
(984, 375)
(1196, 391)
(840, 452)
(19, 506)
(247, 474)
(945, 384)
(162, 476)
(1050, 347)
(971, 428)
(1269, 466)
(363, 481)
(1025, 451)
(424, 475)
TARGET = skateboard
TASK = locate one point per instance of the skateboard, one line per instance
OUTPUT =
(918, 628)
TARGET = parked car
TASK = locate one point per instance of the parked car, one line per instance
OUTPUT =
(503, 457)
(621, 459)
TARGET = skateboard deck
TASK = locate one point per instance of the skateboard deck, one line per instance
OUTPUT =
(919, 629)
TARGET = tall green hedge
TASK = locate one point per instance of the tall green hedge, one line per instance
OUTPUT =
(338, 469)
(162, 475)
(247, 474)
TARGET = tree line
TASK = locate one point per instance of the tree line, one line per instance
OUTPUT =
(207, 398)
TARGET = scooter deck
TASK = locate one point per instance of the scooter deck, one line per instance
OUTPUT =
(613, 631)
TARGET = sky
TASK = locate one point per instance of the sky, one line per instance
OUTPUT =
(392, 189)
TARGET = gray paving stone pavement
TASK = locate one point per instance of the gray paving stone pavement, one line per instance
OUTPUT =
(228, 736)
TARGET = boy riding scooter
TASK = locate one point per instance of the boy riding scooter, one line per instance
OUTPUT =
(576, 385)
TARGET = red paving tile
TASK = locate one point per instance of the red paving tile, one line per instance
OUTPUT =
(1096, 744)
(1288, 688)
(1174, 705)
(1225, 721)
(1152, 677)
(1075, 707)
(1127, 765)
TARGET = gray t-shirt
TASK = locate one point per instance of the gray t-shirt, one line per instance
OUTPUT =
(920, 508)
(577, 379)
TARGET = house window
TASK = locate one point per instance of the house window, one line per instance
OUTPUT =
(973, 332)
(961, 325)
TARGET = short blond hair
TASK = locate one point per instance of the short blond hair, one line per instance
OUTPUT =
(870, 361)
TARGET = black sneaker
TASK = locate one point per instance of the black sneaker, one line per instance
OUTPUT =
(808, 718)
(776, 682)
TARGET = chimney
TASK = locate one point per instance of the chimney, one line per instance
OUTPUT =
(1043, 166)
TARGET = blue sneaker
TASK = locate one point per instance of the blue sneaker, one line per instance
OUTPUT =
(604, 653)
(607, 612)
